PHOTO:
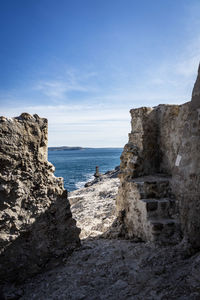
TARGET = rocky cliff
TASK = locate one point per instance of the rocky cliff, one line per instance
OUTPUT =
(36, 225)
(186, 175)
(159, 190)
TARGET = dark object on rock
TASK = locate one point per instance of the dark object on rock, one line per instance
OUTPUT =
(109, 174)
(97, 174)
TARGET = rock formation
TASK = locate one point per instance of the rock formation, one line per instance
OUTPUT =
(158, 200)
(160, 173)
(93, 206)
(186, 176)
(37, 229)
(112, 268)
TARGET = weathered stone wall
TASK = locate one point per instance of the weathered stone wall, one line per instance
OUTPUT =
(165, 140)
(157, 133)
(36, 226)
(143, 136)
(171, 119)
(186, 175)
(152, 149)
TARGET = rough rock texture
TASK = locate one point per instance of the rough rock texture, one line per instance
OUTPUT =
(159, 192)
(154, 140)
(145, 195)
(117, 269)
(186, 175)
(164, 144)
(36, 225)
(149, 209)
(93, 207)
(114, 269)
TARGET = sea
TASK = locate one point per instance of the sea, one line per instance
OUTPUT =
(78, 166)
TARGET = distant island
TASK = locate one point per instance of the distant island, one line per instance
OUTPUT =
(65, 148)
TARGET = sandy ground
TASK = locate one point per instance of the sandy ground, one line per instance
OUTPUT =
(110, 269)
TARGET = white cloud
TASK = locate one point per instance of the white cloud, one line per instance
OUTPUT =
(59, 89)
(72, 81)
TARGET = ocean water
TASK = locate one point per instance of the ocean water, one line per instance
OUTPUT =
(78, 166)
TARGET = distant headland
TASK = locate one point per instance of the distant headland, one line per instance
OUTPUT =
(65, 148)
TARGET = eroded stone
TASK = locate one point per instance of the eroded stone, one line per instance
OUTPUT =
(36, 227)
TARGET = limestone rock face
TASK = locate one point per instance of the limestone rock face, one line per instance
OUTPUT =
(147, 163)
(196, 89)
(93, 206)
(36, 225)
(160, 173)
(187, 173)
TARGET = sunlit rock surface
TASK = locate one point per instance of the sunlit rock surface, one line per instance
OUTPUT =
(160, 173)
(93, 207)
(186, 176)
(36, 225)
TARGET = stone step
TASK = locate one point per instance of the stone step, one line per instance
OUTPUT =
(164, 229)
(154, 186)
(159, 208)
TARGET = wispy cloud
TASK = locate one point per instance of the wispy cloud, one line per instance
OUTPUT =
(72, 81)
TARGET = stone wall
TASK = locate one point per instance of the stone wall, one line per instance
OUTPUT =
(36, 225)
(186, 175)
(171, 119)
(157, 133)
(164, 141)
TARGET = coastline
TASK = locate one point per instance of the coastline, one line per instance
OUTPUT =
(78, 167)
(93, 206)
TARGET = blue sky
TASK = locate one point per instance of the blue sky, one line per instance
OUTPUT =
(83, 64)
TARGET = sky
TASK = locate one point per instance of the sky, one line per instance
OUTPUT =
(83, 64)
